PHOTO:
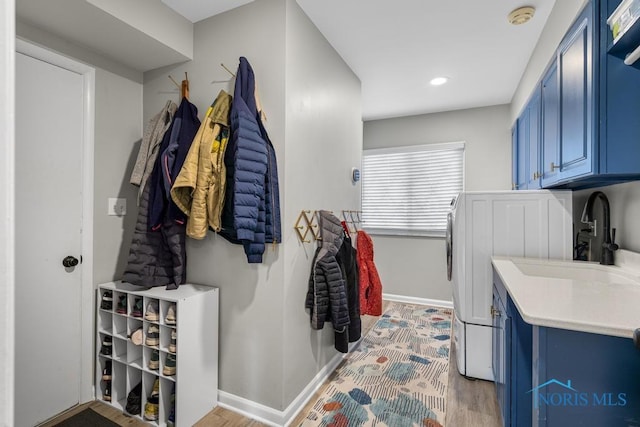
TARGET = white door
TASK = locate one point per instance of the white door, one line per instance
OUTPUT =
(48, 191)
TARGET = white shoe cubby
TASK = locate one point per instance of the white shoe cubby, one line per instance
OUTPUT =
(195, 380)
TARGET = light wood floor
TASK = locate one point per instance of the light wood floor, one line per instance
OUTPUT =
(470, 403)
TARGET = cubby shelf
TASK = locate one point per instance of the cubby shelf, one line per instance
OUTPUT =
(195, 381)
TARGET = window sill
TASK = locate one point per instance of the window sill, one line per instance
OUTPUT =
(405, 233)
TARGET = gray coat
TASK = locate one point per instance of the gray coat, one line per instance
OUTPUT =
(326, 296)
(151, 140)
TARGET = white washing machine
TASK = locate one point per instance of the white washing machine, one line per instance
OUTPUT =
(528, 223)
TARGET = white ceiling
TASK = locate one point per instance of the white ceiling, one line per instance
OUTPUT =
(197, 10)
(396, 48)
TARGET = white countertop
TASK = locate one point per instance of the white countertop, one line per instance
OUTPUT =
(574, 295)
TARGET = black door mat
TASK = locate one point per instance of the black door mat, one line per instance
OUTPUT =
(85, 418)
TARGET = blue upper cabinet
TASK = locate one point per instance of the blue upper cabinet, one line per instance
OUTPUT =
(619, 102)
(575, 70)
(526, 145)
(589, 133)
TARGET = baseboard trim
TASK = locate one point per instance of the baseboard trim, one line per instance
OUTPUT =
(274, 417)
(250, 409)
(417, 300)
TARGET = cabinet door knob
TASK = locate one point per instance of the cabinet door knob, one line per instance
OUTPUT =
(495, 312)
(554, 166)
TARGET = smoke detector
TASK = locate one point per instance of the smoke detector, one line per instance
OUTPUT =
(521, 15)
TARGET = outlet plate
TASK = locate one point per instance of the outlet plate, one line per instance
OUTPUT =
(117, 207)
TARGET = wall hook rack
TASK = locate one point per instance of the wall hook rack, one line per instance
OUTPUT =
(352, 219)
(302, 223)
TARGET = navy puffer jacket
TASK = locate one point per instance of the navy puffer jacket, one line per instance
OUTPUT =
(251, 214)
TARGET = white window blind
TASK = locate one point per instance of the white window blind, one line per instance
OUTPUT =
(408, 190)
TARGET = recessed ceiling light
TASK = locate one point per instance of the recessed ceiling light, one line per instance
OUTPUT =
(521, 15)
(439, 81)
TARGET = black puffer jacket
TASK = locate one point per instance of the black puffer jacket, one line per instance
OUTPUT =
(326, 296)
(347, 259)
(156, 258)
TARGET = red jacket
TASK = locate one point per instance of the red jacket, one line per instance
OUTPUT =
(370, 285)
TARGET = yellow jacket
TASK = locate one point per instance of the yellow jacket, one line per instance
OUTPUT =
(199, 188)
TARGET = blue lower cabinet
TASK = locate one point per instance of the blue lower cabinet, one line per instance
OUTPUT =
(549, 377)
(584, 379)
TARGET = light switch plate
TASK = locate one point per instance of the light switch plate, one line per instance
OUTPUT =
(117, 207)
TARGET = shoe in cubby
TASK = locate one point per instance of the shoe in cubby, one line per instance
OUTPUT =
(107, 346)
(171, 419)
(137, 336)
(136, 311)
(154, 360)
(171, 317)
(169, 365)
(173, 342)
(106, 392)
(106, 372)
(152, 406)
(153, 336)
(121, 308)
(134, 400)
(107, 300)
(152, 313)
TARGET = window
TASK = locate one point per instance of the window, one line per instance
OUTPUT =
(408, 190)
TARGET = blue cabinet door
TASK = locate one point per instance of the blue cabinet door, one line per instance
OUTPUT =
(584, 379)
(550, 128)
(533, 110)
(620, 105)
(514, 156)
(520, 368)
(502, 355)
(522, 147)
(575, 68)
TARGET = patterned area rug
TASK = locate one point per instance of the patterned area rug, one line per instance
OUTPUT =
(397, 376)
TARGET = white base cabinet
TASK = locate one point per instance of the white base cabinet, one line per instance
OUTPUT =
(192, 390)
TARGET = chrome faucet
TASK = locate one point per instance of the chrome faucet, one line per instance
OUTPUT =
(608, 244)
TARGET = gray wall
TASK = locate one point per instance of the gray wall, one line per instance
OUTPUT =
(251, 295)
(324, 141)
(268, 352)
(624, 200)
(415, 266)
(118, 129)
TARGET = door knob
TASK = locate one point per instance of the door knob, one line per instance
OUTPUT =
(70, 261)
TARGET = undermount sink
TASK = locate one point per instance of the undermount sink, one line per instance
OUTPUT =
(574, 270)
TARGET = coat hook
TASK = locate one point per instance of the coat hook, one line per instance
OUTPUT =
(174, 82)
(228, 70)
